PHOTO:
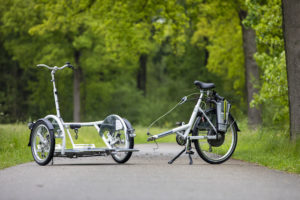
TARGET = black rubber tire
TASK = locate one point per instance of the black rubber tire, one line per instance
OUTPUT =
(52, 144)
(131, 144)
(198, 148)
(127, 157)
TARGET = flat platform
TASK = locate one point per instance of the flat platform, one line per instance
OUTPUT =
(86, 152)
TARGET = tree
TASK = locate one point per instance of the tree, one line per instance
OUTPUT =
(70, 22)
(265, 17)
(251, 71)
(219, 31)
(291, 30)
(231, 47)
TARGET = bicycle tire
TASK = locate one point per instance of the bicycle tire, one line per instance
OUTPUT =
(228, 154)
(35, 148)
(131, 144)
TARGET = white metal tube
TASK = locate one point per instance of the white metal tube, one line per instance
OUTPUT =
(61, 127)
(73, 145)
(83, 123)
(55, 94)
(180, 128)
(193, 117)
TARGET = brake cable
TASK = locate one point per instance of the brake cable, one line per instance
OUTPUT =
(182, 101)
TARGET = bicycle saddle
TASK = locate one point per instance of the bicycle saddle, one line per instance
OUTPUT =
(202, 85)
(75, 126)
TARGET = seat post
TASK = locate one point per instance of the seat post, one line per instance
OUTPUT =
(55, 93)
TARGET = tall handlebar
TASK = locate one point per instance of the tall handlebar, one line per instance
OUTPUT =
(55, 67)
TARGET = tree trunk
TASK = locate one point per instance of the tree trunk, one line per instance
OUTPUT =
(206, 52)
(76, 87)
(291, 32)
(142, 74)
(252, 72)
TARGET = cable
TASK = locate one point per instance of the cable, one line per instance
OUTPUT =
(182, 101)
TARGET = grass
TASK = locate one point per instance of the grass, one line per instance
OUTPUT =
(13, 145)
(266, 147)
(269, 147)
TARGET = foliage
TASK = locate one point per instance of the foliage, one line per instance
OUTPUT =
(266, 19)
(184, 41)
(219, 31)
(110, 45)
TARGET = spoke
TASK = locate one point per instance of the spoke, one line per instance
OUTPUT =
(42, 139)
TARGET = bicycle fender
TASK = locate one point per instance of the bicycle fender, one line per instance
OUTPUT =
(32, 125)
(130, 129)
(234, 123)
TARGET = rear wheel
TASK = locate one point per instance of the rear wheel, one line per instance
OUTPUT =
(42, 143)
(116, 132)
(123, 157)
(219, 150)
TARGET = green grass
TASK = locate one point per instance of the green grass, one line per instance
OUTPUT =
(269, 147)
(13, 145)
(266, 147)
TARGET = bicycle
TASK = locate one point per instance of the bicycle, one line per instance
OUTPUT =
(211, 127)
(116, 132)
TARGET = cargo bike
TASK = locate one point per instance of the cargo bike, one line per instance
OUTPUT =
(115, 131)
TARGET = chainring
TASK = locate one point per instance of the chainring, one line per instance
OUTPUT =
(180, 140)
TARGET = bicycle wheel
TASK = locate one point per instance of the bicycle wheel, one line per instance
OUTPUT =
(117, 135)
(216, 151)
(42, 143)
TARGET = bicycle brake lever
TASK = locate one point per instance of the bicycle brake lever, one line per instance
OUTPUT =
(69, 65)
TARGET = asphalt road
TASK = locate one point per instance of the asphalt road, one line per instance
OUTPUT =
(146, 176)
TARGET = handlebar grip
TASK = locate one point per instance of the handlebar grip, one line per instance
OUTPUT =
(69, 65)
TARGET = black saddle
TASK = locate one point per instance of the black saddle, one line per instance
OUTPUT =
(204, 86)
(75, 126)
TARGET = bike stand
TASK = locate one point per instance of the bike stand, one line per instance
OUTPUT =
(181, 152)
(187, 150)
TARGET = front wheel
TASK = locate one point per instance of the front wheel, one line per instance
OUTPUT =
(220, 150)
(42, 143)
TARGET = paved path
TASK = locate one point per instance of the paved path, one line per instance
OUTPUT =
(146, 176)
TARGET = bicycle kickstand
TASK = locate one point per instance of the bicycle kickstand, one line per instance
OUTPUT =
(177, 156)
(189, 151)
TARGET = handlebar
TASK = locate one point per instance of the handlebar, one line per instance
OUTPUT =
(55, 67)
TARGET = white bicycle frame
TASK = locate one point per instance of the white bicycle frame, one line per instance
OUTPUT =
(61, 149)
(187, 127)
